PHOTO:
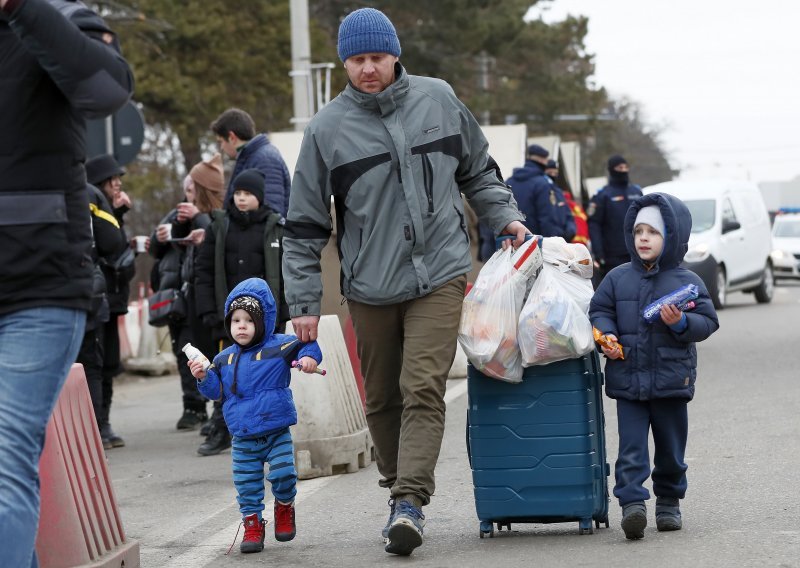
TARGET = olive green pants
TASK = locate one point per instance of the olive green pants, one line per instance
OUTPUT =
(406, 352)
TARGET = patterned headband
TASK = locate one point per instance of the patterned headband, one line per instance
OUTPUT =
(249, 304)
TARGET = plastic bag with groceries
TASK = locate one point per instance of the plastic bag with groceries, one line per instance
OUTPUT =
(488, 328)
(554, 323)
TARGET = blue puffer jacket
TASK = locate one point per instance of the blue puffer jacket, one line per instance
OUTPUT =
(659, 363)
(263, 401)
(260, 154)
(542, 202)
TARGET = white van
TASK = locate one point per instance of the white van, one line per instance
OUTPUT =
(731, 239)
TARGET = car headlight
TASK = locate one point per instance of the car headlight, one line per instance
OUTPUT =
(697, 253)
(778, 255)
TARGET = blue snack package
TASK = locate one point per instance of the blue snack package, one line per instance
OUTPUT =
(679, 297)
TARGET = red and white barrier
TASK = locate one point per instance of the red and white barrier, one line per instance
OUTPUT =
(79, 524)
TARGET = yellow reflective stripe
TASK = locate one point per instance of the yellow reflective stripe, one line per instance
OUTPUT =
(105, 216)
(258, 356)
(230, 358)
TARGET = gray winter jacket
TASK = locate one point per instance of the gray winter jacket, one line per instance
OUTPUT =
(395, 164)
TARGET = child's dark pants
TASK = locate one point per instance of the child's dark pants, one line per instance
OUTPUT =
(669, 421)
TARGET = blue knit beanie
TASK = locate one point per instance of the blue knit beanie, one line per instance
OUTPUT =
(367, 30)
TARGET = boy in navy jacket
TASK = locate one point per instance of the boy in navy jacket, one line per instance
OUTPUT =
(251, 377)
(655, 380)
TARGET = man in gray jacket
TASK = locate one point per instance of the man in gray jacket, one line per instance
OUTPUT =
(395, 152)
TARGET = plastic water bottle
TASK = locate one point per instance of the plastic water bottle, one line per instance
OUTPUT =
(194, 354)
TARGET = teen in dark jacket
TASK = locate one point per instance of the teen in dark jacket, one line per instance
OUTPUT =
(656, 378)
(244, 241)
(237, 138)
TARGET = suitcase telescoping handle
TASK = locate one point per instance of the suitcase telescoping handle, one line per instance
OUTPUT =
(498, 241)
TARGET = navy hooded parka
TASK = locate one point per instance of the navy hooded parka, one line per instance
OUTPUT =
(659, 362)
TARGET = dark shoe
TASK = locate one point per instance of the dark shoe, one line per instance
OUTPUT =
(253, 540)
(405, 532)
(385, 531)
(205, 429)
(634, 520)
(110, 439)
(668, 514)
(285, 528)
(218, 440)
(191, 419)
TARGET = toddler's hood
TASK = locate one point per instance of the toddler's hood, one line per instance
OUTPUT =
(677, 222)
(257, 288)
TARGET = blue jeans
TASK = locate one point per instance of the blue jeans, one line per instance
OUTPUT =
(37, 348)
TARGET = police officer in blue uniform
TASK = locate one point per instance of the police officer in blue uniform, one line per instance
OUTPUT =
(606, 214)
(539, 199)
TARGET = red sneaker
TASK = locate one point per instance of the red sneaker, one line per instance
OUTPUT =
(284, 522)
(253, 540)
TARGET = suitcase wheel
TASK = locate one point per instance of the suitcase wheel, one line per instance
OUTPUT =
(585, 526)
(486, 530)
(501, 525)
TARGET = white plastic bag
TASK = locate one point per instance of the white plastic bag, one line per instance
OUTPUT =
(488, 328)
(553, 324)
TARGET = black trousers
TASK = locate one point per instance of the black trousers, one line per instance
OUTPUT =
(180, 334)
(108, 337)
(91, 357)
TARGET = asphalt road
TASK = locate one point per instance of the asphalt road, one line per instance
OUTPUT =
(742, 507)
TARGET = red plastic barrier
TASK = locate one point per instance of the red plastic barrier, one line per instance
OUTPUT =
(79, 523)
(355, 361)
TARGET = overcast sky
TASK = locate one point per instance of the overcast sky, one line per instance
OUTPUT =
(723, 76)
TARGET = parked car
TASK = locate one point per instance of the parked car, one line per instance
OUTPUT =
(731, 241)
(786, 245)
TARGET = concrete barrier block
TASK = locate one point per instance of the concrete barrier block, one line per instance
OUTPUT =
(331, 434)
(79, 524)
(153, 352)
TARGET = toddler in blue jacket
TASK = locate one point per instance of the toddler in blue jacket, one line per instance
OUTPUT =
(251, 377)
(655, 380)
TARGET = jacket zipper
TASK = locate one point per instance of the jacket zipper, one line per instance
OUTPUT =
(427, 174)
(462, 224)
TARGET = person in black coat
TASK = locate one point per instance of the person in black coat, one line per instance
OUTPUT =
(606, 213)
(653, 377)
(59, 64)
(203, 189)
(106, 174)
(109, 242)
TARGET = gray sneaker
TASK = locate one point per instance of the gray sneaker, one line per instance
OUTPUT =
(668, 514)
(385, 531)
(634, 520)
(405, 532)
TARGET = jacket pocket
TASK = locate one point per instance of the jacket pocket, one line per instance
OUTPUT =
(675, 368)
(351, 266)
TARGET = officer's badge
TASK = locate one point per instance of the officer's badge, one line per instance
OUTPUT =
(592, 208)
(552, 198)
